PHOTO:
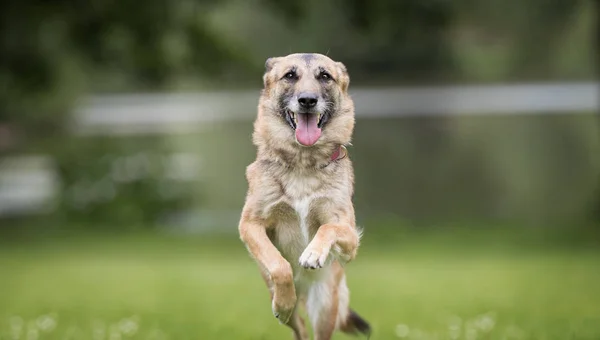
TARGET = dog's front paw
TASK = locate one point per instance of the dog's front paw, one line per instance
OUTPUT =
(341, 256)
(313, 258)
(283, 308)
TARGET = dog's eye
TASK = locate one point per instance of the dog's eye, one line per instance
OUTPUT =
(290, 75)
(324, 76)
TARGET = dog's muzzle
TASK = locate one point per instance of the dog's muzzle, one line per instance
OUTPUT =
(292, 118)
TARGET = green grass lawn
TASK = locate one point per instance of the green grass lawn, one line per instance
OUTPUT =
(408, 287)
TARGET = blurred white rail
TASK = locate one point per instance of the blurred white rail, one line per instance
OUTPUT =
(167, 113)
(27, 184)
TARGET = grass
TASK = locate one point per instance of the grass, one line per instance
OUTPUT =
(409, 286)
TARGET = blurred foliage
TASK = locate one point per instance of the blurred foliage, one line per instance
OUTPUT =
(376, 38)
(121, 184)
(52, 53)
(539, 39)
(538, 169)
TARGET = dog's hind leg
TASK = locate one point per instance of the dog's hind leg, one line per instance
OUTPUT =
(297, 325)
(349, 321)
(323, 302)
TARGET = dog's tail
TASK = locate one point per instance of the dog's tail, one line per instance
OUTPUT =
(355, 324)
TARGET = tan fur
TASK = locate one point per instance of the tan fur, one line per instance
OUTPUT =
(298, 212)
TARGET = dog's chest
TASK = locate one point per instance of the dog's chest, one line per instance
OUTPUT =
(296, 219)
(302, 210)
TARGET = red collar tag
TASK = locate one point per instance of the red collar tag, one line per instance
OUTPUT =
(340, 153)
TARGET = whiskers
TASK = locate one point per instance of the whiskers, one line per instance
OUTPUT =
(329, 106)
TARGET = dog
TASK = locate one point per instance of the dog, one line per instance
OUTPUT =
(298, 220)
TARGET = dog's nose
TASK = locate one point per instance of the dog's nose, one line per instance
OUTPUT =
(307, 100)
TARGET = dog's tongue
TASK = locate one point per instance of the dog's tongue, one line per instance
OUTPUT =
(307, 131)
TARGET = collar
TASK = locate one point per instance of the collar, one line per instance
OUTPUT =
(339, 153)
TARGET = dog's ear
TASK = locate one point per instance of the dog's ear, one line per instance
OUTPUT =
(344, 77)
(269, 64)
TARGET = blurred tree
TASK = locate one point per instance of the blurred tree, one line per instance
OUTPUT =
(119, 183)
(596, 49)
(408, 38)
(53, 52)
(49, 52)
(38, 75)
(378, 39)
(532, 31)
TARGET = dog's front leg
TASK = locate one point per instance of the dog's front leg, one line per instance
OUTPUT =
(343, 237)
(277, 269)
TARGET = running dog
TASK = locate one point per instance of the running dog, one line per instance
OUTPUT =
(298, 219)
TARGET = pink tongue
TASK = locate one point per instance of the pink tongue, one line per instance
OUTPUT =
(307, 131)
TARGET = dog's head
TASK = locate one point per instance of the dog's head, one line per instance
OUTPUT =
(305, 100)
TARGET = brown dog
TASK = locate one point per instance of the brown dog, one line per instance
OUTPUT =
(298, 220)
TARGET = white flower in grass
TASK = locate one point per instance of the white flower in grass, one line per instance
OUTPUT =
(485, 322)
(454, 327)
(454, 332)
(114, 333)
(32, 332)
(46, 323)
(16, 326)
(470, 330)
(471, 334)
(98, 330)
(129, 326)
(402, 331)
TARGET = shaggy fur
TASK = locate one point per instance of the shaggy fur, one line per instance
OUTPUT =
(298, 220)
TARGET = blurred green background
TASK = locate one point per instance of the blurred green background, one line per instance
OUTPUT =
(125, 132)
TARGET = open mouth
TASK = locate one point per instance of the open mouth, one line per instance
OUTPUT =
(306, 125)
